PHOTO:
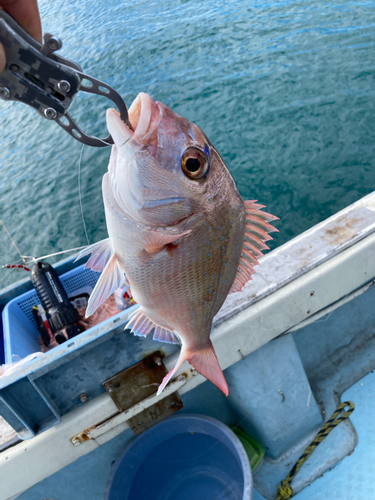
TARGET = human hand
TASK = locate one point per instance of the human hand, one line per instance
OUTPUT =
(26, 14)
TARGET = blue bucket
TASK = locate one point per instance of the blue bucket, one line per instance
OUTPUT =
(183, 458)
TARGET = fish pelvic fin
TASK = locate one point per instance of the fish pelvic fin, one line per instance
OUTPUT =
(205, 362)
(111, 278)
(100, 254)
(256, 234)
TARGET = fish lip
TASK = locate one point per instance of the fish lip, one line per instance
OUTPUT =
(143, 117)
(140, 114)
(163, 201)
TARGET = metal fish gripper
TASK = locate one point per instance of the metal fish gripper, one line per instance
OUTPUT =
(38, 77)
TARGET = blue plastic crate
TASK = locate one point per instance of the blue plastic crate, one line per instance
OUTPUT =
(36, 396)
(20, 330)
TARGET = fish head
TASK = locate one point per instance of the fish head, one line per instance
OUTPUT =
(160, 172)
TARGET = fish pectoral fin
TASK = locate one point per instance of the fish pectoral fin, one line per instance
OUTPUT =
(100, 254)
(155, 241)
(256, 234)
(207, 364)
(140, 324)
(111, 278)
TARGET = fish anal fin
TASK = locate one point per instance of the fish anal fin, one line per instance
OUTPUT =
(111, 278)
(164, 335)
(205, 362)
(155, 241)
(140, 324)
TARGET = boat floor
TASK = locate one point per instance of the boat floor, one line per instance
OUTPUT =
(352, 479)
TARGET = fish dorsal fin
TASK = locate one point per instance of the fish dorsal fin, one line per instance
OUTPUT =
(111, 278)
(140, 324)
(155, 241)
(100, 254)
(256, 234)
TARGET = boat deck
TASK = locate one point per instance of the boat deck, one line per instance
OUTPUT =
(351, 479)
(281, 389)
(354, 477)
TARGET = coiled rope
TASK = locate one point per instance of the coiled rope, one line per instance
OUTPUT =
(285, 492)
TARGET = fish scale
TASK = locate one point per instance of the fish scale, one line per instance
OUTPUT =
(179, 232)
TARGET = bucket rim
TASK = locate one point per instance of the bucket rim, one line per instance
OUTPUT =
(192, 418)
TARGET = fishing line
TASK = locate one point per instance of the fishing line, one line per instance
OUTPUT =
(12, 240)
(79, 182)
(8, 273)
(79, 192)
(127, 140)
(27, 258)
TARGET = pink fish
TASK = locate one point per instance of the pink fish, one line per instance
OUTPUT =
(179, 232)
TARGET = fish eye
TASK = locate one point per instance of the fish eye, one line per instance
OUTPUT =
(194, 163)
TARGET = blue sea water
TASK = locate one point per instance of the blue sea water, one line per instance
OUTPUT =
(284, 90)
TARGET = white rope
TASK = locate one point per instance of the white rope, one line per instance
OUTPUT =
(32, 259)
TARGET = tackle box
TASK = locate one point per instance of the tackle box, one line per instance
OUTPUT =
(36, 396)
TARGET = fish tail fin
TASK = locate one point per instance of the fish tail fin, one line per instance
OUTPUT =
(184, 354)
(205, 362)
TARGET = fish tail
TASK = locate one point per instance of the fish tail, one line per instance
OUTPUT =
(205, 362)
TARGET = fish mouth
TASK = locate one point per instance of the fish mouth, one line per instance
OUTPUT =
(144, 116)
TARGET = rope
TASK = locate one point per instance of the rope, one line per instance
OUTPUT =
(16, 266)
(33, 259)
(285, 491)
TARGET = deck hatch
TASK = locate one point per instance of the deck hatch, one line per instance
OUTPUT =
(137, 383)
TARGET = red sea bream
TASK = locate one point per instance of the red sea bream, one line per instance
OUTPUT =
(179, 232)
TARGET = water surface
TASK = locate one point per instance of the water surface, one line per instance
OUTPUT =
(284, 90)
